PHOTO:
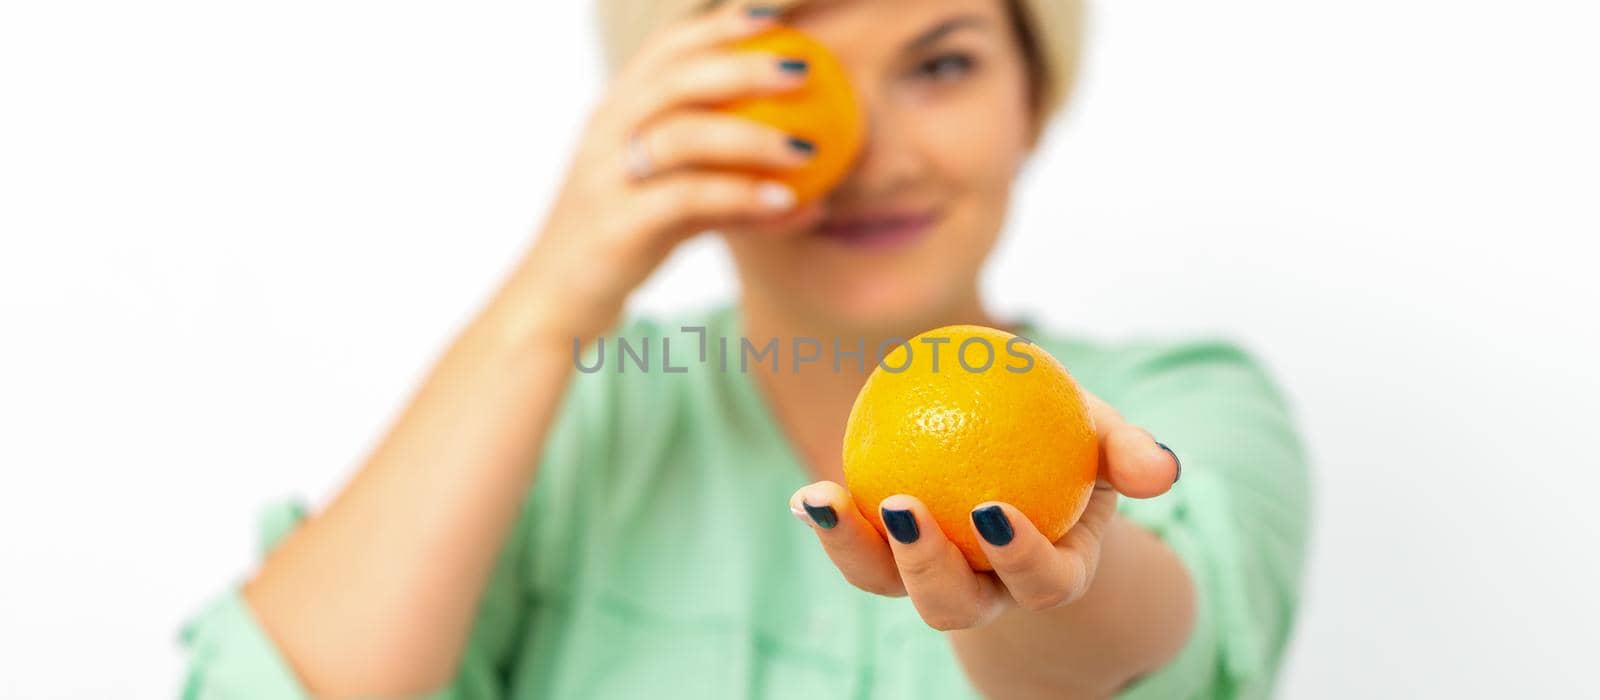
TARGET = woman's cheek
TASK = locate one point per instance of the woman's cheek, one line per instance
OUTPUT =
(977, 149)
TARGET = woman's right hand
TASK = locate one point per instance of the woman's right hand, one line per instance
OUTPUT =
(412, 541)
(657, 164)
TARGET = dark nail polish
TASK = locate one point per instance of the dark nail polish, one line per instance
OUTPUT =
(1175, 460)
(802, 145)
(823, 516)
(761, 11)
(902, 524)
(797, 66)
(993, 525)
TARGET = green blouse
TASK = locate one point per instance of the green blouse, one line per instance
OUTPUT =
(656, 557)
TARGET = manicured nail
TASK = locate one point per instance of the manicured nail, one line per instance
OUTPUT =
(902, 524)
(761, 11)
(793, 65)
(1175, 460)
(802, 145)
(823, 516)
(775, 196)
(993, 525)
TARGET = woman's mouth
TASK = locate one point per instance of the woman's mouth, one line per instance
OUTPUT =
(877, 230)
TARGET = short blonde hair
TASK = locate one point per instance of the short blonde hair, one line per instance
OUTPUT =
(1051, 32)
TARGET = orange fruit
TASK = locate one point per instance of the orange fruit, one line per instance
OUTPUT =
(958, 426)
(824, 111)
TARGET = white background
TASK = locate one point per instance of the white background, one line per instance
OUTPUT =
(232, 236)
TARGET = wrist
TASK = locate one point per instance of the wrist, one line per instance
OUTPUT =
(534, 310)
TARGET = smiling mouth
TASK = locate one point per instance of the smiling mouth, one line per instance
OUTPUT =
(877, 231)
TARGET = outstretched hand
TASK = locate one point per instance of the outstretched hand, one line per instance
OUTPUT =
(1030, 571)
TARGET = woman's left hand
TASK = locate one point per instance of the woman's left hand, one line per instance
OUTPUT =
(1030, 571)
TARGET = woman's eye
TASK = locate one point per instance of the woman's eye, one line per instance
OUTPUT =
(946, 67)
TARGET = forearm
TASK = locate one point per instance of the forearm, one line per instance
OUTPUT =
(1135, 616)
(376, 595)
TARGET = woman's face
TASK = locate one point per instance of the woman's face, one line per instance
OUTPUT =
(901, 241)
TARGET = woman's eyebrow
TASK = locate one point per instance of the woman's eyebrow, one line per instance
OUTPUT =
(942, 29)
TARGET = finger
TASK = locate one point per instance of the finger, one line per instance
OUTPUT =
(947, 593)
(703, 138)
(849, 540)
(709, 79)
(701, 31)
(1130, 458)
(687, 203)
(795, 221)
(1038, 573)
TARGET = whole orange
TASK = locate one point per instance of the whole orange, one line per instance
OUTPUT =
(824, 111)
(981, 415)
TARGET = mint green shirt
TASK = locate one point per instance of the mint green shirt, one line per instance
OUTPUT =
(656, 556)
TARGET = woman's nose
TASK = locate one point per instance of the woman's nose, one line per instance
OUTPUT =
(888, 158)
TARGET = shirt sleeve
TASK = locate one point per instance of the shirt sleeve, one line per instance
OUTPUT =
(231, 655)
(1237, 517)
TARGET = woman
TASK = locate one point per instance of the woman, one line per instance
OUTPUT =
(525, 530)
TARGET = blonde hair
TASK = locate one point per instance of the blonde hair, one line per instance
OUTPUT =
(1051, 33)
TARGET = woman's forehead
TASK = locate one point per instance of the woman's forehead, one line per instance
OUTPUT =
(878, 27)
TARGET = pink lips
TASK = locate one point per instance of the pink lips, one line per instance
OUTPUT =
(876, 230)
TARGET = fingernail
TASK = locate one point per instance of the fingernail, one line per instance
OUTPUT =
(775, 196)
(802, 145)
(796, 66)
(993, 525)
(761, 11)
(902, 524)
(1175, 460)
(823, 516)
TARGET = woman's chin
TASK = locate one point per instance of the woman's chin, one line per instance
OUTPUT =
(877, 309)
